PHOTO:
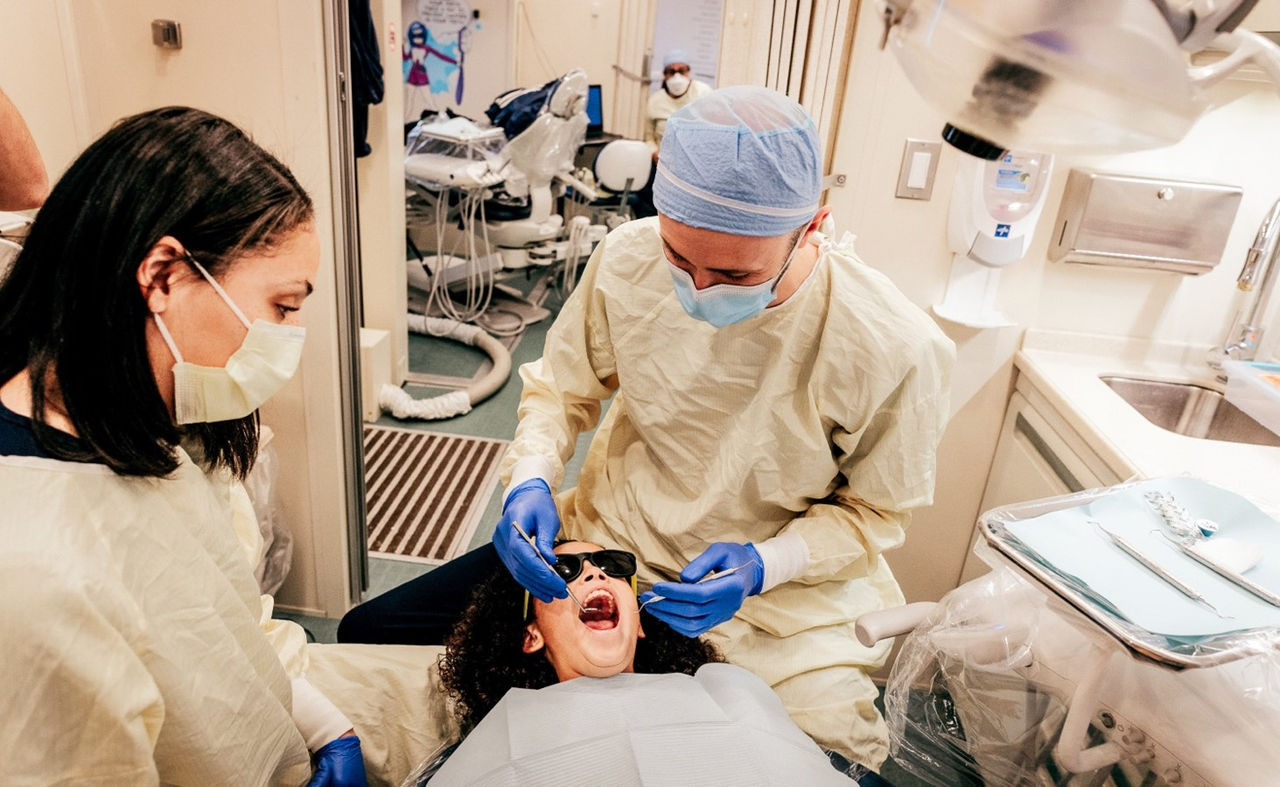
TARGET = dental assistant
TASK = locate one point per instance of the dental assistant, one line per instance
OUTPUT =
(678, 90)
(777, 406)
(153, 309)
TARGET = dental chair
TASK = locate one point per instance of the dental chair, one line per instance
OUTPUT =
(539, 164)
(520, 176)
(622, 168)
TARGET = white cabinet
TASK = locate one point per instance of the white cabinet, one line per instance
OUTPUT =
(1038, 455)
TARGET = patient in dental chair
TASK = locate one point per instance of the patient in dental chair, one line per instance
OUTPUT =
(555, 693)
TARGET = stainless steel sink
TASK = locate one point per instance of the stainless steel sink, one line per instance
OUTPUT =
(1191, 410)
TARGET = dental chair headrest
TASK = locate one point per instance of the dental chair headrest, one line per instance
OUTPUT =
(570, 96)
(621, 160)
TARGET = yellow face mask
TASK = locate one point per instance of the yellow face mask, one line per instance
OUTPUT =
(266, 360)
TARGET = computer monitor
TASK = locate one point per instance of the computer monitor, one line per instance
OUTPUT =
(595, 111)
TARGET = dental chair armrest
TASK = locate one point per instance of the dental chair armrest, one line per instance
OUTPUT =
(882, 624)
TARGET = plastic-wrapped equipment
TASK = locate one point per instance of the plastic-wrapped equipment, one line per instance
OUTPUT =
(277, 541)
(1014, 679)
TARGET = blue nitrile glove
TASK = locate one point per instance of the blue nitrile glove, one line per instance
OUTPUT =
(339, 763)
(532, 505)
(693, 609)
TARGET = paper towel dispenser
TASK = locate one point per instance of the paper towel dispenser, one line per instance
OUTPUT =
(1143, 222)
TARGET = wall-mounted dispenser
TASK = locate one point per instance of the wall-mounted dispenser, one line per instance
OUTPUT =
(994, 209)
(1139, 221)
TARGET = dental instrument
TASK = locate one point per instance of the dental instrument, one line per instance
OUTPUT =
(707, 578)
(1231, 576)
(534, 544)
(1155, 568)
(1186, 538)
(1178, 520)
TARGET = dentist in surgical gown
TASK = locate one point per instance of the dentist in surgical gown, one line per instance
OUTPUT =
(678, 90)
(776, 409)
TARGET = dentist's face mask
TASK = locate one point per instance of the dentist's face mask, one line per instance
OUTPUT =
(677, 84)
(726, 304)
(264, 362)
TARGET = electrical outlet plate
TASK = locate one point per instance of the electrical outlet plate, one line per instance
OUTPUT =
(166, 34)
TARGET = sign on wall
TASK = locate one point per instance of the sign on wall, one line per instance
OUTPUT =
(691, 25)
(453, 55)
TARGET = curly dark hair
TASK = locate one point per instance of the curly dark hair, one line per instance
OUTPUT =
(484, 655)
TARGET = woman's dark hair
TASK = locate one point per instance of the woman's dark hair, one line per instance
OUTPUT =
(484, 655)
(71, 310)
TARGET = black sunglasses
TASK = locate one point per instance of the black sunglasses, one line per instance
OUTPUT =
(614, 562)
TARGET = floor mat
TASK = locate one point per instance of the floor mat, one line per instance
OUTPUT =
(426, 491)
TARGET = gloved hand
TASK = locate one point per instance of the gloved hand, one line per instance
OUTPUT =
(693, 609)
(532, 505)
(339, 763)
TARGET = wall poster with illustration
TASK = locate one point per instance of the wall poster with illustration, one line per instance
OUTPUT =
(453, 55)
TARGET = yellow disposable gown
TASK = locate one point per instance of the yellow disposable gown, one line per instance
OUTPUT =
(137, 649)
(663, 106)
(819, 417)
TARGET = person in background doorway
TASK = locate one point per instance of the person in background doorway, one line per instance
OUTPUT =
(679, 89)
(24, 184)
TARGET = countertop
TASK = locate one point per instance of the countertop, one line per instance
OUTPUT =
(1065, 369)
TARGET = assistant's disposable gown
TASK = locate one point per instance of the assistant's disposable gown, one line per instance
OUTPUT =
(819, 417)
(662, 106)
(137, 649)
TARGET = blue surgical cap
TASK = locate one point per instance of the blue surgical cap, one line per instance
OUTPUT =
(675, 56)
(742, 160)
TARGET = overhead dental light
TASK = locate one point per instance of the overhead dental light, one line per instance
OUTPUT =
(1099, 76)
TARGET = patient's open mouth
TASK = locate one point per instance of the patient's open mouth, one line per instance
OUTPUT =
(601, 611)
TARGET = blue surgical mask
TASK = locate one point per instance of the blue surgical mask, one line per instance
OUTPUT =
(726, 304)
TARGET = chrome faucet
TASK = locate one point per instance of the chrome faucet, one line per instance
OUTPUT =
(1259, 264)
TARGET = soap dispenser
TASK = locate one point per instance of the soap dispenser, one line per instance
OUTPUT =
(994, 209)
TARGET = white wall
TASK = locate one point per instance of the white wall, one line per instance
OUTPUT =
(33, 72)
(906, 239)
(380, 194)
(1235, 144)
(553, 36)
(744, 43)
(261, 65)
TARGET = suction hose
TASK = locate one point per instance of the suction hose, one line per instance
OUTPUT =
(400, 404)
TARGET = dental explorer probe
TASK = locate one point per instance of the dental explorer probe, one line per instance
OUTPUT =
(1235, 578)
(1157, 569)
(707, 578)
(534, 544)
